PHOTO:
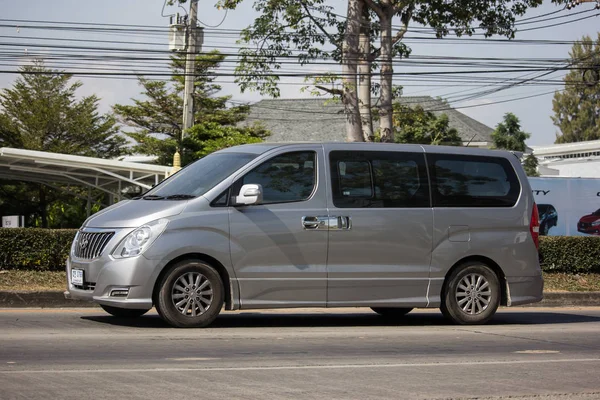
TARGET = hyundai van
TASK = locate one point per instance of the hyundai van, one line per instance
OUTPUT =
(387, 226)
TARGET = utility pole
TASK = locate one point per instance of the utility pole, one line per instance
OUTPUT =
(195, 37)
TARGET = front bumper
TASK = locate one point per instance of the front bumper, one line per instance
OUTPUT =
(107, 279)
(524, 290)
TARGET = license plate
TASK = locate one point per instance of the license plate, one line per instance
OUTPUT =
(77, 277)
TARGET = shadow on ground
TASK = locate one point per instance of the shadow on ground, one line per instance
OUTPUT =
(290, 320)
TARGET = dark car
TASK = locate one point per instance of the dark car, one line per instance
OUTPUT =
(548, 218)
(590, 223)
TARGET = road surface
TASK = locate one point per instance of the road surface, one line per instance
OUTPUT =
(300, 354)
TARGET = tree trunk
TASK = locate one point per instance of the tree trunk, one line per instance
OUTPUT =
(43, 206)
(386, 112)
(349, 70)
(364, 77)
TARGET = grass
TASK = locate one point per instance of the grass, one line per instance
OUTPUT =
(557, 282)
(32, 280)
(45, 280)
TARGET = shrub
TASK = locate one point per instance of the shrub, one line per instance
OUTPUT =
(47, 250)
(35, 249)
(571, 254)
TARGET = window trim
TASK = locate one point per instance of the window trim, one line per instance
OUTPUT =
(237, 185)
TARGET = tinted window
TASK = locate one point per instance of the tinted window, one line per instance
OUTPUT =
(285, 178)
(201, 176)
(378, 179)
(469, 181)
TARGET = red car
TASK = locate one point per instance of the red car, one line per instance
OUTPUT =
(590, 224)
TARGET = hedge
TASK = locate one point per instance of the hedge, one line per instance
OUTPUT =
(571, 254)
(47, 250)
(35, 249)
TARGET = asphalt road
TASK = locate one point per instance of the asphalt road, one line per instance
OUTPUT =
(308, 354)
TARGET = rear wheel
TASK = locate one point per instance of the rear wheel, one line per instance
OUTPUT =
(391, 312)
(190, 295)
(471, 294)
(124, 312)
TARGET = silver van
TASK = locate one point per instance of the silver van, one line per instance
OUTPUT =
(386, 226)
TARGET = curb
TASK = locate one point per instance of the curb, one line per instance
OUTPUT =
(56, 299)
(50, 299)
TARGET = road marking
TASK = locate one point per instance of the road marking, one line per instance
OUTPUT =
(193, 359)
(537, 352)
(300, 367)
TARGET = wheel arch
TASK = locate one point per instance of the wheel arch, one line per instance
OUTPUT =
(504, 294)
(213, 262)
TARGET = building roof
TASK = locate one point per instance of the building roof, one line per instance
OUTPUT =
(322, 119)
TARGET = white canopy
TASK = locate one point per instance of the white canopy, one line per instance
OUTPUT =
(57, 170)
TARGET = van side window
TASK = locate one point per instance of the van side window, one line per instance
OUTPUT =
(285, 178)
(378, 179)
(473, 181)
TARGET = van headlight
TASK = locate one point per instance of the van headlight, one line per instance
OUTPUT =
(140, 239)
(74, 244)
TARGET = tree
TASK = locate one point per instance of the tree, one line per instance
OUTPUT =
(577, 107)
(530, 165)
(314, 29)
(41, 112)
(416, 125)
(509, 136)
(158, 117)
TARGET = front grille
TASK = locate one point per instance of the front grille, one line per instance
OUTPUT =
(584, 225)
(86, 286)
(91, 244)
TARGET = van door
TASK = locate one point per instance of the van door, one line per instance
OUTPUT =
(380, 250)
(279, 247)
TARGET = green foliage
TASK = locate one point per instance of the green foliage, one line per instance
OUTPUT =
(35, 249)
(41, 112)
(508, 134)
(570, 254)
(416, 125)
(209, 137)
(577, 107)
(157, 118)
(530, 165)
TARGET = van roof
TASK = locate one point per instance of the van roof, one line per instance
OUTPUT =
(260, 148)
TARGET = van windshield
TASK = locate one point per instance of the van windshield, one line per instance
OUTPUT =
(199, 177)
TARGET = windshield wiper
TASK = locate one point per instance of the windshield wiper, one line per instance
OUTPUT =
(153, 197)
(180, 197)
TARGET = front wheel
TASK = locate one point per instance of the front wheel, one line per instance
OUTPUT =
(124, 312)
(471, 294)
(190, 295)
(391, 312)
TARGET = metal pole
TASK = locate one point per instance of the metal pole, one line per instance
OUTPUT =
(192, 48)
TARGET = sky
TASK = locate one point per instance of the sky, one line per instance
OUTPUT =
(534, 112)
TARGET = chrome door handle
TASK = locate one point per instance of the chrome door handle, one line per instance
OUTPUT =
(342, 223)
(314, 223)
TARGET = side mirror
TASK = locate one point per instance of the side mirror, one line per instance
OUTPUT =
(250, 194)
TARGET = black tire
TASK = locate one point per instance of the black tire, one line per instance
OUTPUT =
(391, 312)
(169, 296)
(124, 312)
(458, 311)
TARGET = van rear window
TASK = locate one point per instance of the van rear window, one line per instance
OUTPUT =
(473, 181)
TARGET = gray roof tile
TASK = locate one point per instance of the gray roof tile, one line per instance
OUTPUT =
(321, 119)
